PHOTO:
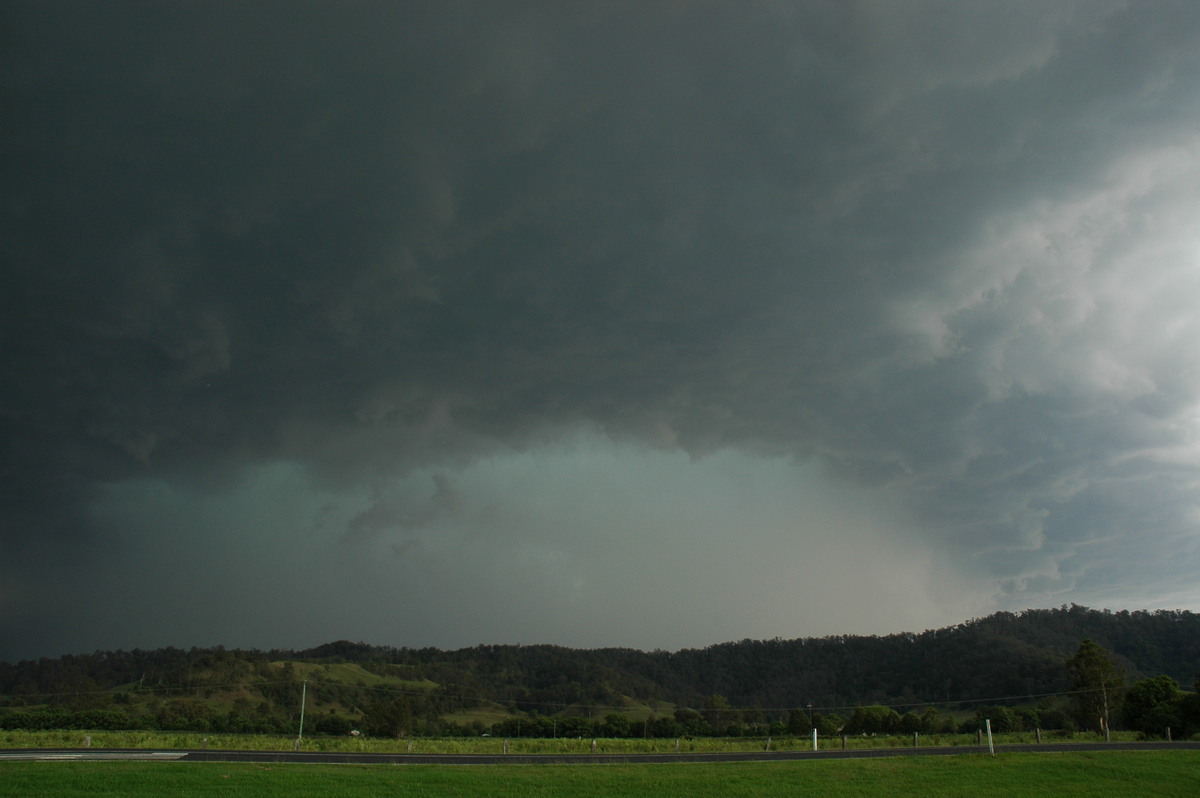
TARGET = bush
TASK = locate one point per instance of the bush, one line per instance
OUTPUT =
(1003, 719)
(333, 725)
(104, 719)
(185, 714)
(874, 719)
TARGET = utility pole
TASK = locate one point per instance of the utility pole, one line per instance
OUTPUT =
(303, 701)
(1104, 692)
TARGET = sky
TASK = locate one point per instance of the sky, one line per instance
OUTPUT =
(598, 324)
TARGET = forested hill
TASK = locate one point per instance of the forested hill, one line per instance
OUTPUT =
(1002, 656)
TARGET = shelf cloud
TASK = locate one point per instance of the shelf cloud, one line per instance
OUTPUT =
(608, 324)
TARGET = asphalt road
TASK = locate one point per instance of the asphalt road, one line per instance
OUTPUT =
(317, 757)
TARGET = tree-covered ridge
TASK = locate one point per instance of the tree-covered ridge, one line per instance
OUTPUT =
(1002, 655)
(1005, 658)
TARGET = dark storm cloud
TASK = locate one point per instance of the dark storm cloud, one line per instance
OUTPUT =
(402, 512)
(943, 247)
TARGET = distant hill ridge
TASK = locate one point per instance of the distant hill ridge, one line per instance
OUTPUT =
(1002, 656)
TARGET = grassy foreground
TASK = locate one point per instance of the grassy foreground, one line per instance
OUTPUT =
(1141, 773)
(493, 745)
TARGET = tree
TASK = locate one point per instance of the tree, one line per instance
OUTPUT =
(691, 722)
(575, 726)
(933, 722)
(875, 719)
(1003, 719)
(1056, 716)
(830, 725)
(336, 725)
(665, 727)
(185, 714)
(718, 714)
(617, 725)
(1152, 705)
(798, 722)
(388, 718)
(1097, 682)
(1189, 710)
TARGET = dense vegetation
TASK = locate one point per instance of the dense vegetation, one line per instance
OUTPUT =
(1014, 667)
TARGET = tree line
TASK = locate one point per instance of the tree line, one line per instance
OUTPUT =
(864, 684)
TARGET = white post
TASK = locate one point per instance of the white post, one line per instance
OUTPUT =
(991, 748)
(814, 739)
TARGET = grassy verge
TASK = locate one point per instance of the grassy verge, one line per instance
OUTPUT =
(487, 745)
(1165, 773)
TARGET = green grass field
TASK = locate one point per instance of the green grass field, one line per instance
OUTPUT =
(1159, 773)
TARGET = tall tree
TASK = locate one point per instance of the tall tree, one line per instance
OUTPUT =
(388, 718)
(1153, 705)
(718, 713)
(1097, 681)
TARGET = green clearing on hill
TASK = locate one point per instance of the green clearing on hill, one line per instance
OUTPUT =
(1167, 774)
(353, 674)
